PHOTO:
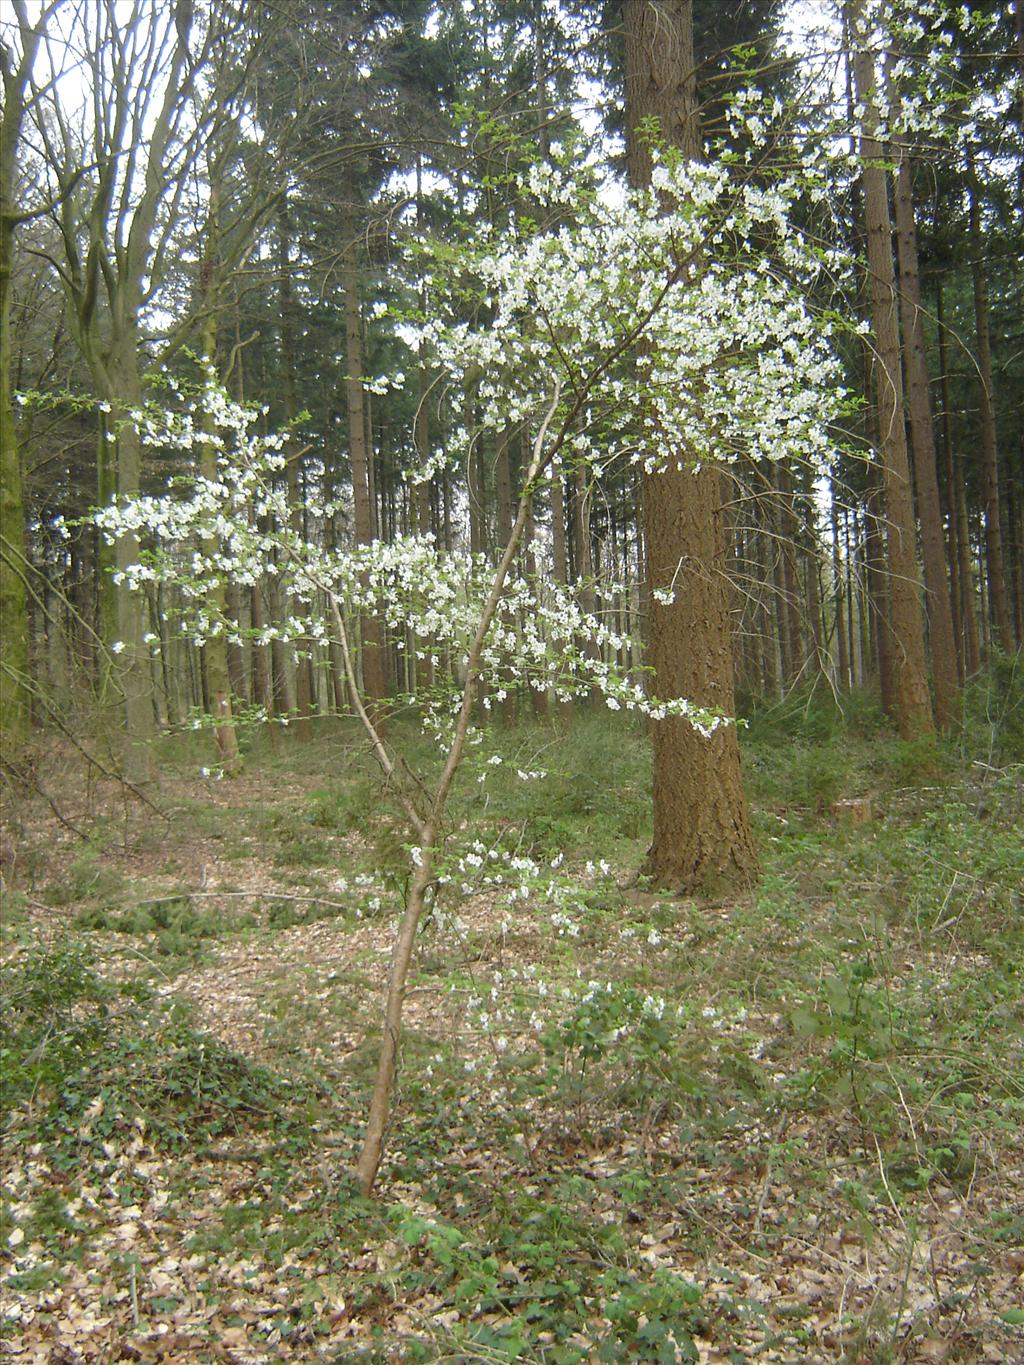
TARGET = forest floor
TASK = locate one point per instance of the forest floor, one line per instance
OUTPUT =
(786, 1128)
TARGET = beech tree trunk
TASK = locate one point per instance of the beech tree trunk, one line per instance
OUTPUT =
(702, 838)
(912, 699)
(15, 688)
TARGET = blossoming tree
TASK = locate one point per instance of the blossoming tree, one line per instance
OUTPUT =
(671, 319)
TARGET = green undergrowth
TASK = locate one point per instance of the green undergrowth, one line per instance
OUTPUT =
(601, 1115)
(85, 1061)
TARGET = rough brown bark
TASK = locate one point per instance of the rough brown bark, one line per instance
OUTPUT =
(922, 444)
(994, 565)
(15, 686)
(702, 837)
(912, 699)
(1015, 547)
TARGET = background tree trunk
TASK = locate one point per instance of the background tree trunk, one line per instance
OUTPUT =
(999, 610)
(912, 700)
(922, 444)
(359, 449)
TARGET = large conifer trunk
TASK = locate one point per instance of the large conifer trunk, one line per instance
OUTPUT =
(905, 618)
(922, 439)
(702, 836)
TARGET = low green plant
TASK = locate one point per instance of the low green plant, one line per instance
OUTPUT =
(621, 1037)
(55, 1017)
(83, 1059)
(992, 716)
(89, 880)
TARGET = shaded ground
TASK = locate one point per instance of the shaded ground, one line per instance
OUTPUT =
(628, 1128)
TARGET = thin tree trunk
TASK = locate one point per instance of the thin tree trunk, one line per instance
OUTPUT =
(216, 653)
(790, 581)
(560, 556)
(877, 601)
(503, 530)
(286, 307)
(950, 478)
(852, 620)
(426, 826)
(1015, 547)
(998, 605)
(538, 698)
(371, 634)
(844, 675)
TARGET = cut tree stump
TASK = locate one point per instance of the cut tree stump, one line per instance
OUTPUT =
(856, 810)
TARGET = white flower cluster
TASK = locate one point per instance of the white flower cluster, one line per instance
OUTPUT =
(688, 300)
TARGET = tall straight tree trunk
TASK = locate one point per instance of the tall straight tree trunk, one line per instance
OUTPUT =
(124, 395)
(503, 530)
(286, 305)
(423, 669)
(474, 479)
(788, 528)
(857, 669)
(538, 696)
(844, 676)
(702, 837)
(15, 685)
(560, 555)
(877, 606)
(996, 574)
(912, 700)
(1015, 547)
(950, 476)
(922, 443)
(216, 648)
(766, 635)
(583, 558)
(361, 456)
(782, 631)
